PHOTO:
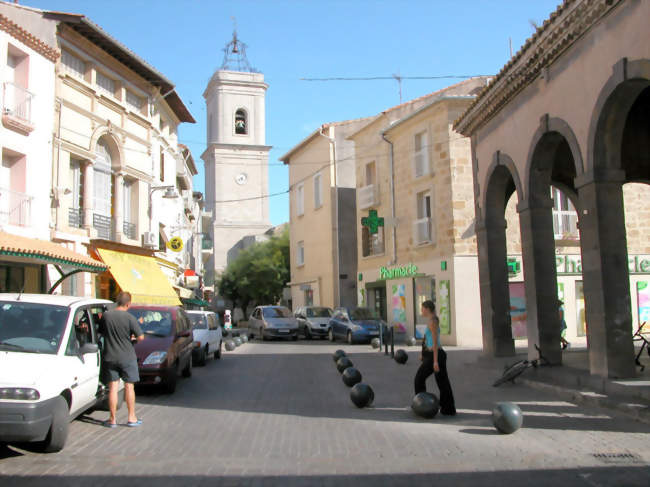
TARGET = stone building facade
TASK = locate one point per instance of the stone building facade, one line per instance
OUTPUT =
(569, 110)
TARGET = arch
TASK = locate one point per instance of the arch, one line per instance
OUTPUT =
(241, 121)
(501, 176)
(607, 124)
(117, 152)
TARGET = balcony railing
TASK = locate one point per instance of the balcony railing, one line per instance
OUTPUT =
(423, 231)
(76, 217)
(565, 225)
(17, 102)
(15, 208)
(129, 229)
(368, 196)
(104, 226)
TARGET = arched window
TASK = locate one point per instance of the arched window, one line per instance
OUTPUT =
(241, 122)
(102, 189)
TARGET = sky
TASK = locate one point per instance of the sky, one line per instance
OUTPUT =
(290, 39)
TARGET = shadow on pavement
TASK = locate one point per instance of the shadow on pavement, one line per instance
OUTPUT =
(308, 384)
(630, 476)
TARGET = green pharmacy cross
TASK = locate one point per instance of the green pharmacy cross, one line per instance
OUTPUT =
(372, 222)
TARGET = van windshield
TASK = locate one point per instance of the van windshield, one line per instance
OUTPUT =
(199, 322)
(31, 327)
(153, 322)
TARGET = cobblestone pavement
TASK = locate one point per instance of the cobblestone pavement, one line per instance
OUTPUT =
(278, 414)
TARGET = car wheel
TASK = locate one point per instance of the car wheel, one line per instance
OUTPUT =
(330, 335)
(295, 337)
(170, 384)
(350, 337)
(200, 360)
(217, 354)
(187, 371)
(58, 431)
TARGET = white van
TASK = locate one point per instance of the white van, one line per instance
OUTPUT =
(49, 365)
(207, 336)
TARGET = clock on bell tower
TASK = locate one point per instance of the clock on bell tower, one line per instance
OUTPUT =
(236, 158)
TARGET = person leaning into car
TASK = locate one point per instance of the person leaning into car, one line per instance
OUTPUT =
(118, 327)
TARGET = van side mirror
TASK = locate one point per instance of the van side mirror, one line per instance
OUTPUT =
(88, 348)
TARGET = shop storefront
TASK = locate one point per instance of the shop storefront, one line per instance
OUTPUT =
(570, 292)
(396, 294)
(31, 265)
(131, 269)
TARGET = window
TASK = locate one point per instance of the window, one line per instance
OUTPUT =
(371, 173)
(17, 100)
(73, 65)
(75, 213)
(318, 190)
(300, 254)
(102, 190)
(300, 199)
(162, 164)
(565, 217)
(421, 155)
(423, 224)
(372, 243)
(133, 101)
(129, 228)
(241, 122)
(105, 84)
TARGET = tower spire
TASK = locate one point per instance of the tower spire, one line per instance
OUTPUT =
(234, 58)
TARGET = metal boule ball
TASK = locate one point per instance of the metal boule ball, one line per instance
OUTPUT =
(343, 363)
(338, 354)
(425, 405)
(507, 417)
(411, 341)
(362, 395)
(230, 345)
(374, 343)
(237, 341)
(351, 376)
(244, 338)
(401, 357)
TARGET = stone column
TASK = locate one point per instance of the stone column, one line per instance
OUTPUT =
(538, 256)
(118, 212)
(493, 280)
(88, 191)
(605, 274)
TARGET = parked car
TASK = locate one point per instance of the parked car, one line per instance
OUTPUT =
(49, 366)
(273, 322)
(207, 334)
(313, 321)
(355, 325)
(167, 347)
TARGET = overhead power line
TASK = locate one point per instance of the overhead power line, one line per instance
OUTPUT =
(373, 78)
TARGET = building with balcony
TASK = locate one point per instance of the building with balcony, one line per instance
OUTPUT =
(115, 145)
(414, 218)
(322, 203)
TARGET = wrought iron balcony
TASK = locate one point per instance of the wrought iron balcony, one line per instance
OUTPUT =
(16, 102)
(104, 226)
(129, 229)
(76, 217)
(15, 207)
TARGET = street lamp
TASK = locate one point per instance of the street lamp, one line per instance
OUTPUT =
(170, 194)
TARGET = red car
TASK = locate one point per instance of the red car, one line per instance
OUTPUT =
(167, 347)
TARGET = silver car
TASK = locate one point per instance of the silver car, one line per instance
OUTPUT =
(313, 321)
(273, 322)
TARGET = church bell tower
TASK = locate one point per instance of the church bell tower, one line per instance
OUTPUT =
(236, 158)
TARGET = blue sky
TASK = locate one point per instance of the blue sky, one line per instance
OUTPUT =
(289, 40)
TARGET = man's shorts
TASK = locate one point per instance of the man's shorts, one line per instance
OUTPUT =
(127, 371)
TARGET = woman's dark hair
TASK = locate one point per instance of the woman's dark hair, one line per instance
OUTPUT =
(428, 304)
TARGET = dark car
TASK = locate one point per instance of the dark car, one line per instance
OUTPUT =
(355, 325)
(167, 347)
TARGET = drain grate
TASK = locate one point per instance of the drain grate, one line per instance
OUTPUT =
(618, 458)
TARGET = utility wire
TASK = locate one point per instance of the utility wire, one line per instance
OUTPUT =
(374, 78)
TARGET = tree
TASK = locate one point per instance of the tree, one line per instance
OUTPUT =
(258, 274)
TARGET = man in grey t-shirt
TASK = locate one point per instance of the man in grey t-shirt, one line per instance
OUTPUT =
(118, 327)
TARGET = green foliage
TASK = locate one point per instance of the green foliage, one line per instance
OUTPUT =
(258, 274)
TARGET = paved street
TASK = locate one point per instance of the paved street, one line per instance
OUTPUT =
(278, 414)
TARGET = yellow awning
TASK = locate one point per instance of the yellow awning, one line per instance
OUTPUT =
(141, 276)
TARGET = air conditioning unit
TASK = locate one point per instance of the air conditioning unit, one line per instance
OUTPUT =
(150, 240)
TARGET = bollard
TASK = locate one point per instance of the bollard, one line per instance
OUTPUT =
(392, 342)
(386, 347)
(381, 335)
